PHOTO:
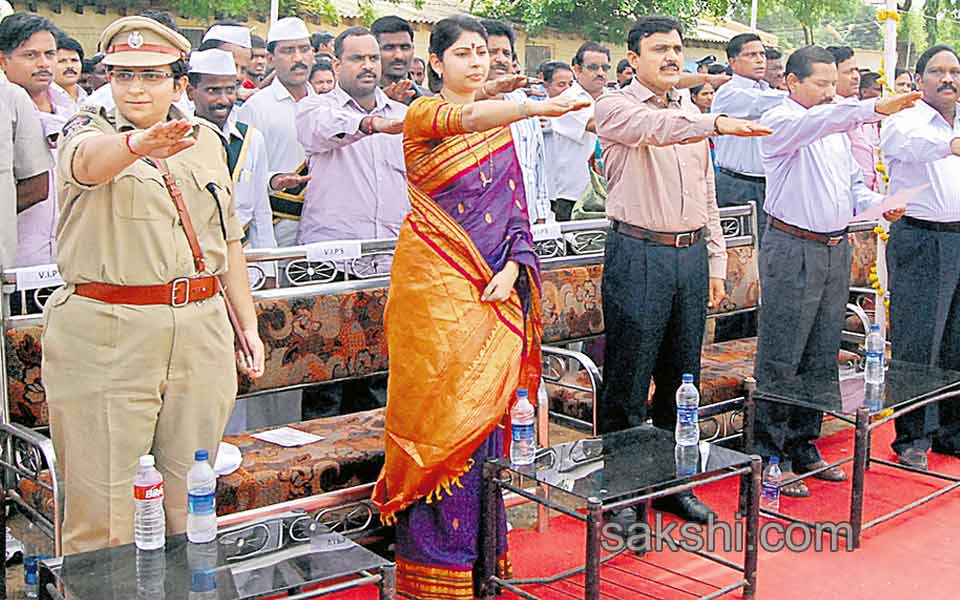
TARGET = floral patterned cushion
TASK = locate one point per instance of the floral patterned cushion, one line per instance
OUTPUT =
(864, 257)
(350, 454)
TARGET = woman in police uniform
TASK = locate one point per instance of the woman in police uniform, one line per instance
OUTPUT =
(138, 348)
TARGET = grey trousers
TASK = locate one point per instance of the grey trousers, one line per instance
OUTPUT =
(924, 269)
(654, 311)
(805, 289)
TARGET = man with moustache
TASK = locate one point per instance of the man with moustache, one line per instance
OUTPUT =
(527, 134)
(922, 148)
(69, 67)
(418, 70)
(213, 90)
(273, 112)
(259, 57)
(571, 140)
(354, 132)
(28, 55)
(774, 72)
(665, 258)
(395, 37)
(865, 139)
(814, 189)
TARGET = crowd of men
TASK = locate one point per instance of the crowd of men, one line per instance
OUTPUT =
(311, 125)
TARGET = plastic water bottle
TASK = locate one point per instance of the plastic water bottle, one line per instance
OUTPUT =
(687, 459)
(523, 448)
(32, 555)
(688, 421)
(149, 521)
(201, 500)
(873, 377)
(770, 488)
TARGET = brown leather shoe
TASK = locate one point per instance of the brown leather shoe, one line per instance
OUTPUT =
(833, 474)
(797, 489)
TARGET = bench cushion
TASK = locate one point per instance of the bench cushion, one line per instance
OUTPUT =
(350, 454)
(723, 368)
(864, 257)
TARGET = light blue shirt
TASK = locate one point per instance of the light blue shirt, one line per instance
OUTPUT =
(916, 145)
(743, 98)
(531, 154)
(813, 181)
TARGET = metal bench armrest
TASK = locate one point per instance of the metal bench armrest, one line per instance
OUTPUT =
(586, 363)
(25, 453)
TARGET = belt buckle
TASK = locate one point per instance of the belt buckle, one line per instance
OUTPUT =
(834, 241)
(678, 243)
(174, 286)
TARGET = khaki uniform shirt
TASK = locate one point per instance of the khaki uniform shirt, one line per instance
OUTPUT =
(126, 231)
(24, 153)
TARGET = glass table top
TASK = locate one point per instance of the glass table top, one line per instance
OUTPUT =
(627, 463)
(244, 562)
(841, 392)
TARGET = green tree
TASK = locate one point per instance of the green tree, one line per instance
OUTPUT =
(811, 14)
(602, 20)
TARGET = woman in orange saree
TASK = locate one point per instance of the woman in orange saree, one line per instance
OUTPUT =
(462, 320)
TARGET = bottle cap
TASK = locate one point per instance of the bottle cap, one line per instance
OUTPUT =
(147, 460)
(875, 327)
(687, 378)
(774, 460)
(523, 393)
(200, 456)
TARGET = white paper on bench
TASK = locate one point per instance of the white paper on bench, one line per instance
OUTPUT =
(545, 231)
(339, 250)
(40, 276)
(288, 437)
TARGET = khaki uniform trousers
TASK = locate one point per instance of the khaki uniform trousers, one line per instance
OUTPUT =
(123, 381)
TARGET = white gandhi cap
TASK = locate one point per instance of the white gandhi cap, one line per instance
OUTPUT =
(288, 28)
(233, 34)
(213, 62)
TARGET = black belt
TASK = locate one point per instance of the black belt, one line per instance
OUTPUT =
(829, 239)
(948, 227)
(750, 178)
(676, 240)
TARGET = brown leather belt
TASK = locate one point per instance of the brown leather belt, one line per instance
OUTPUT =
(743, 176)
(676, 240)
(828, 239)
(178, 292)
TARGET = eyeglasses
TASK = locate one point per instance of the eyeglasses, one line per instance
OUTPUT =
(151, 77)
(597, 67)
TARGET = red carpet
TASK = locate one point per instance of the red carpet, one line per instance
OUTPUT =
(911, 557)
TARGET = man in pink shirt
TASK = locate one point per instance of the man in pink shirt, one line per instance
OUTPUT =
(864, 139)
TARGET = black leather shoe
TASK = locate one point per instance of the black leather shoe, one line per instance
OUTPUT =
(686, 506)
(913, 457)
(941, 449)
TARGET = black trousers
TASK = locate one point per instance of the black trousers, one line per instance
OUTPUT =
(654, 310)
(733, 191)
(805, 289)
(924, 269)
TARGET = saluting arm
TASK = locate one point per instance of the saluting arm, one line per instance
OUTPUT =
(100, 158)
(488, 114)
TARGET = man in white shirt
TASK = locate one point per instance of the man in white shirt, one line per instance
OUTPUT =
(70, 67)
(213, 90)
(273, 111)
(922, 148)
(571, 140)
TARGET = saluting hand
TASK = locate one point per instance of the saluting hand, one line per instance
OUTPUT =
(556, 106)
(401, 91)
(894, 104)
(391, 126)
(718, 79)
(740, 127)
(163, 140)
(504, 85)
(286, 181)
